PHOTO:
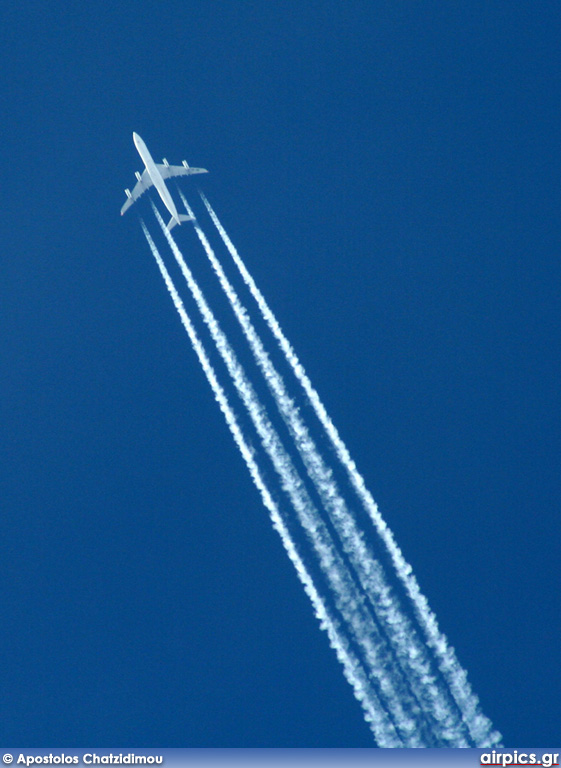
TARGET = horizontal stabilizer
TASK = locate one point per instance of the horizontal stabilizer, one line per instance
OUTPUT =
(182, 217)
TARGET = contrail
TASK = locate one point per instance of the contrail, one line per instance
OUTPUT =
(348, 600)
(383, 731)
(411, 653)
(480, 727)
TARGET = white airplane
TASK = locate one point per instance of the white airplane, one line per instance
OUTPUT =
(155, 174)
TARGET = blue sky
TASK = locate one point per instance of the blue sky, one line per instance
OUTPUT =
(389, 172)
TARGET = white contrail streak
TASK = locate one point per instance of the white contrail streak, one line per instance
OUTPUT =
(374, 713)
(410, 651)
(480, 727)
(347, 598)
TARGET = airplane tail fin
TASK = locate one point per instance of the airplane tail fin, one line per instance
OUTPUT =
(182, 217)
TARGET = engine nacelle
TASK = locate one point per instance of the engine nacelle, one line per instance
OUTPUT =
(185, 164)
(128, 193)
(137, 174)
(165, 162)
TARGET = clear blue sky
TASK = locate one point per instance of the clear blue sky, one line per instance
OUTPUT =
(390, 173)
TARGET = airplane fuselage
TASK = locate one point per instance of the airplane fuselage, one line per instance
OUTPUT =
(156, 176)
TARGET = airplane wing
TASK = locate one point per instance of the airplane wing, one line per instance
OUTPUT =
(140, 187)
(169, 171)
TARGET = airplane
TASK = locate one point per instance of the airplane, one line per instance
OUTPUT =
(154, 174)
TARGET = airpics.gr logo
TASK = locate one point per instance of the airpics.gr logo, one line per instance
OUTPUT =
(547, 759)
